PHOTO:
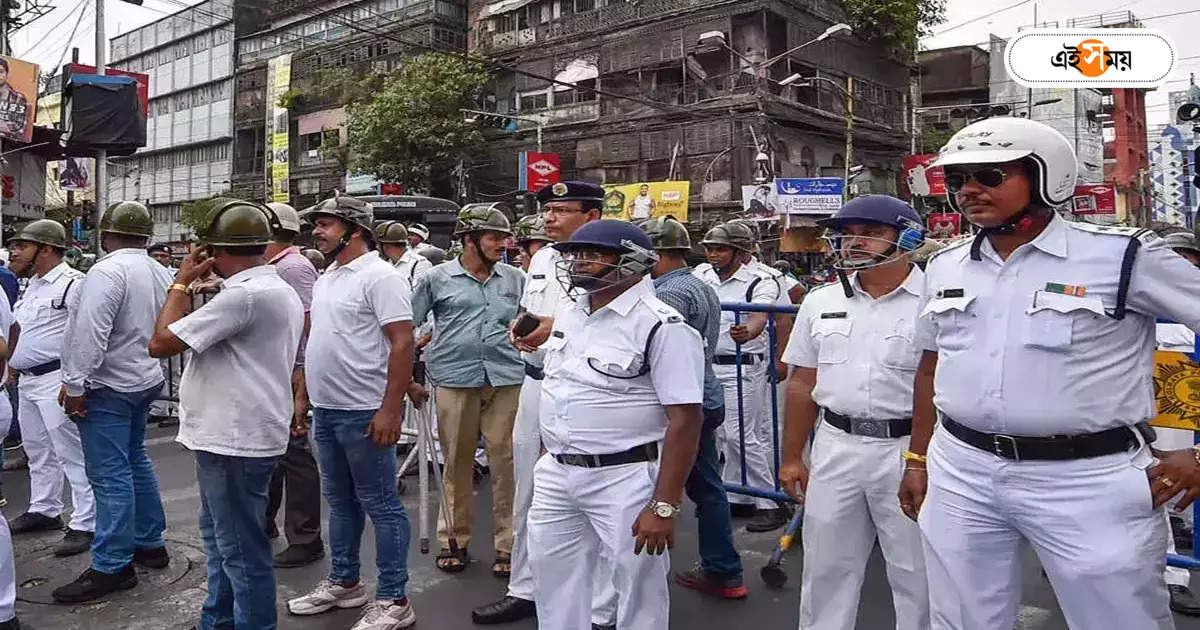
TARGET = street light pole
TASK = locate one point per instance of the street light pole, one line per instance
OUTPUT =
(849, 133)
(101, 170)
(536, 121)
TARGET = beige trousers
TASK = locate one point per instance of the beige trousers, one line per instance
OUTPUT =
(463, 413)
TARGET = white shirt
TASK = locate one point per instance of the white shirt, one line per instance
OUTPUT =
(641, 206)
(765, 291)
(544, 295)
(412, 266)
(862, 348)
(6, 321)
(347, 349)
(777, 276)
(1016, 357)
(584, 411)
(1175, 338)
(235, 397)
(42, 312)
(108, 333)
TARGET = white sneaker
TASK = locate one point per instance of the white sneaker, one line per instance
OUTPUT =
(327, 596)
(386, 614)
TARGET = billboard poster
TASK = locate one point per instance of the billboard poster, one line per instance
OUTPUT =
(279, 78)
(18, 99)
(944, 224)
(73, 174)
(632, 202)
(759, 202)
(538, 170)
(922, 179)
(809, 195)
(1094, 199)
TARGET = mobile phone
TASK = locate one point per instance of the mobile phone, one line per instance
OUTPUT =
(526, 324)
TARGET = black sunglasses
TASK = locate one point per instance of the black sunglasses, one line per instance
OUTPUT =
(990, 177)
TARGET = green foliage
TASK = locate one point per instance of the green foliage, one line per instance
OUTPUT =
(193, 213)
(932, 139)
(410, 126)
(291, 99)
(895, 23)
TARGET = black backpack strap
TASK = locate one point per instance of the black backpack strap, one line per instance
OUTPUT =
(1131, 250)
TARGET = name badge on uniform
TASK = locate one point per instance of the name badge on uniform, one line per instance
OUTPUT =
(1066, 289)
(559, 334)
(950, 293)
(539, 276)
(837, 315)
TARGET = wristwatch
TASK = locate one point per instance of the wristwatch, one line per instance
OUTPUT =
(662, 509)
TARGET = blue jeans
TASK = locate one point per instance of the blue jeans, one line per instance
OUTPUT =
(233, 522)
(358, 479)
(129, 511)
(706, 489)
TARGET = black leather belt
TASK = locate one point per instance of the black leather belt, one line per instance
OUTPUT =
(1055, 447)
(44, 368)
(645, 453)
(534, 372)
(898, 427)
(748, 358)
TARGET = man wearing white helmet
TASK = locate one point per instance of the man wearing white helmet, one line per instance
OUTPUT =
(1038, 340)
(418, 234)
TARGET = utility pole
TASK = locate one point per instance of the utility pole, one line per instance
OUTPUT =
(101, 154)
(4, 51)
(71, 193)
(849, 134)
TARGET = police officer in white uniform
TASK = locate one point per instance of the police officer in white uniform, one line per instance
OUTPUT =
(51, 440)
(393, 246)
(624, 373)
(1038, 339)
(418, 234)
(8, 575)
(726, 245)
(567, 206)
(852, 348)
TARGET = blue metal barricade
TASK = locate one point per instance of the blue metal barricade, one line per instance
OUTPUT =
(772, 310)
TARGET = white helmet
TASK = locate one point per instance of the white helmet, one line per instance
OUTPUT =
(289, 219)
(1005, 139)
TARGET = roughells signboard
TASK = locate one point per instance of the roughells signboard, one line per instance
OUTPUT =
(1176, 391)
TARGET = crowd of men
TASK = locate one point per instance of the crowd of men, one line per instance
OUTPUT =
(604, 380)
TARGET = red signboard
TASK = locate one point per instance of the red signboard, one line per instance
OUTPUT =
(944, 224)
(391, 189)
(1095, 199)
(539, 170)
(143, 80)
(921, 179)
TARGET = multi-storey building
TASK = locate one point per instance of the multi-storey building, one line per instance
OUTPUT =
(189, 58)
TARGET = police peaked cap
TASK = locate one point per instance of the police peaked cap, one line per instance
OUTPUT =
(571, 191)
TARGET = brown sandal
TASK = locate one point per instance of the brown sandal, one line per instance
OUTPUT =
(502, 565)
(451, 562)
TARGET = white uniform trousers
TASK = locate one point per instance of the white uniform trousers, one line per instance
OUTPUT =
(52, 444)
(1090, 521)
(578, 516)
(8, 575)
(527, 448)
(758, 450)
(851, 500)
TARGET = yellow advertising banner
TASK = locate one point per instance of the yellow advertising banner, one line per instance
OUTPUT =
(1176, 391)
(631, 202)
(279, 79)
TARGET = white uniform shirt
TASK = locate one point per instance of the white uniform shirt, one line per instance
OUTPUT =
(544, 294)
(1017, 355)
(584, 411)
(42, 312)
(412, 266)
(235, 397)
(108, 334)
(765, 291)
(862, 348)
(6, 322)
(777, 276)
(1175, 338)
(347, 350)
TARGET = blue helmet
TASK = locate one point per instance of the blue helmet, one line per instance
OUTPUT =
(635, 255)
(874, 209)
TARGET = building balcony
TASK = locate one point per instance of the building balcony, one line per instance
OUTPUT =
(607, 19)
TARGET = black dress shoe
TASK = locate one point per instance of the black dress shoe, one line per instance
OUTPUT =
(769, 520)
(299, 555)
(34, 522)
(74, 542)
(11, 624)
(1183, 601)
(507, 610)
(92, 584)
(597, 626)
(156, 558)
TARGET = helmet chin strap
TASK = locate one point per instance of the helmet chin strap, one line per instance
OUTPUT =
(1016, 224)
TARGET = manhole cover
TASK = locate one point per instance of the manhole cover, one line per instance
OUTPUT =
(39, 571)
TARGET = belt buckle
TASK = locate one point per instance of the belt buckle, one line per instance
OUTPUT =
(998, 449)
(572, 459)
(866, 427)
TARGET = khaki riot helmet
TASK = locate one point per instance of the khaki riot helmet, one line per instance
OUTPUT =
(531, 228)
(43, 232)
(127, 217)
(392, 233)
(288, 218)
(667, 233)
(237, 223)
(349, 209)
(481, 218)
(735, 234)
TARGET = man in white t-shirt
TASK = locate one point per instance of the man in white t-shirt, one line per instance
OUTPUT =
(235, 403)
(642, 206)
(360, 359)
(8, 576)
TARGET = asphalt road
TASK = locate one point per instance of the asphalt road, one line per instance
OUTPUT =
(171, 599)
